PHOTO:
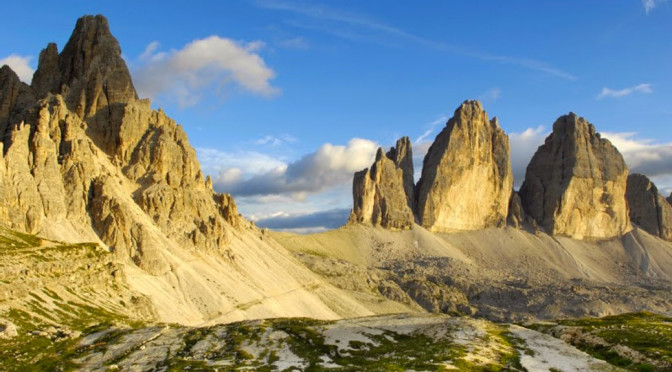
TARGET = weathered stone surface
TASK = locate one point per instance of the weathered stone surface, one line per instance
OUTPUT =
(91, 73)
(381, 193)
(108, 168)
(648, 209)
(669, 198)
(466, 178)
(516, 216)
(14, 97)
(575, 183)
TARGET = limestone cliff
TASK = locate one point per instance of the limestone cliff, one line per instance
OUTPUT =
(383, 194)
(575, 183)
(648, 209)
(88, 160)
(466, 178)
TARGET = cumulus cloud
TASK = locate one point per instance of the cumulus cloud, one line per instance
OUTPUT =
(641, 88)
(210, 63)
(643, 155)
(329, 166)
(306, 222)
(20, 65)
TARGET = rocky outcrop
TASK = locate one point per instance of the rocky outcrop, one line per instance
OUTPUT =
(648, 209)
(669, 198)
(516, 216)
(466, 178)
(89, 72)
(14, 97)
(86, 160)
(575, 183)
(383, 194)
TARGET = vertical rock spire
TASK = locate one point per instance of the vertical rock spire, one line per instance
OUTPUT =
(466, 181)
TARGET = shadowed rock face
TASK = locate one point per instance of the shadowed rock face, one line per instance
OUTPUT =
(14, 95)
(383, 194)
(648, 209)
(90, 66)
(466, 178)
(575, 183)
(669, 198)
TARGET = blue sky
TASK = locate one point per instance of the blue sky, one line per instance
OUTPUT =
(283, 100)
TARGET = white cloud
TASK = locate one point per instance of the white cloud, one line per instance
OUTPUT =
(523, 146)
(649, 5)
(644, 155)
(20, 65)
(210, 63)
(641, 88)
(329, 166)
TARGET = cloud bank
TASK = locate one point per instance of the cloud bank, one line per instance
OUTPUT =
(259, 174)
(214, 62)
(20, 65)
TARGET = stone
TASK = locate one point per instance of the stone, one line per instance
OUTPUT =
(575, 183)
(466, 181)
(648, 209)
(516, 216)
(381, 193)
(669, 198)
(7, 330)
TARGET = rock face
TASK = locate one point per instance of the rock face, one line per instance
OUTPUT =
(575, 183)
(383, 194)
(466, 178)
(669, 198)
(648, 209)
(85, 160)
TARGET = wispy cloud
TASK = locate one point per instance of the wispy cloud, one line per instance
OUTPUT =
(210, 63)
(20, 65)
(523, 146)
(275, 140)
(431, 128)
(649, 5)
(298, 42)
(359, 22)
(641, 88)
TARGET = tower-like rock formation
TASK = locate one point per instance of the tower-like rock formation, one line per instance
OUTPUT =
(466, 181)
(383, 194)
(648, 209)
(575, 183)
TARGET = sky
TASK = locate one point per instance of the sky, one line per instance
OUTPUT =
(284, 100)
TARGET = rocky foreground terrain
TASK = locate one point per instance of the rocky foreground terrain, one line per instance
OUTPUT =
(116, 253)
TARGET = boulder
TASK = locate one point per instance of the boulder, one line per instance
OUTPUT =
(466, 181)
(575, 183)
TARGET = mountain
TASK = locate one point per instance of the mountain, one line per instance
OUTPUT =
(85, 160)
(114, 247)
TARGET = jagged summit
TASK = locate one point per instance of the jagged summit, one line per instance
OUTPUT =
(575, 183)
(383, 194)
(90, 66)
(648, 209)
(466, 180)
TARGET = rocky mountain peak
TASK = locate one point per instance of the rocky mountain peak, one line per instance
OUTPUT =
(575, 183)
(91, 73)
(471, 153)
(383, 194)
(648, 209)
